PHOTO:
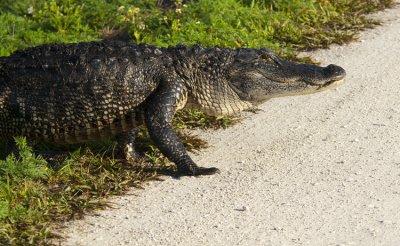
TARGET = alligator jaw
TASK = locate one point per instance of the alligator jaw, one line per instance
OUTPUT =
(330, 85)
(312, 89)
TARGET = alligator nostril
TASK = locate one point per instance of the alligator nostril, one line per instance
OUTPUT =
(335, 72)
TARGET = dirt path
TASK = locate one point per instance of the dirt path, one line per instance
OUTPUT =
(320, 169)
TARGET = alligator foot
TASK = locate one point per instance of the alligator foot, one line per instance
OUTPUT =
(126, 147)
(196, 171)
(54, 158)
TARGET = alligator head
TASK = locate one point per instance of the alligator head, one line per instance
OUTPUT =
(258, 75)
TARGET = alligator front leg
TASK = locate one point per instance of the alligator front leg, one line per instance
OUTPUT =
(160, 109)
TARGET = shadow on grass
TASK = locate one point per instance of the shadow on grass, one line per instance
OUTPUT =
(37, 194)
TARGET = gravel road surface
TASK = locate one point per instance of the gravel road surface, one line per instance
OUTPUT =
(321, 169)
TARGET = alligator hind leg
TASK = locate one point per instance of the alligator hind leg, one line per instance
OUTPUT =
(9, 147)
(159, 111)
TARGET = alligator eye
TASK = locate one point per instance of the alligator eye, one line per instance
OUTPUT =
(271, 59)
(266, 57)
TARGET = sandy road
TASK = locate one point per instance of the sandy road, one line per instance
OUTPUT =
(321, 169)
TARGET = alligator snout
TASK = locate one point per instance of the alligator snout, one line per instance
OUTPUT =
(321, 76)
(334, 73)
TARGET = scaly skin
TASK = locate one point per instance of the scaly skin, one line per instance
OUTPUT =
(79, 92)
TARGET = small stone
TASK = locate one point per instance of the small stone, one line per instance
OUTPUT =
(242, 209)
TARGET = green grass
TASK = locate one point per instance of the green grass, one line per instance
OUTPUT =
(36, 196)
(283, 25)
(33, 195)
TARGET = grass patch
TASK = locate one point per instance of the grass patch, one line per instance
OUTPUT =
(35, 196)
(284, 25)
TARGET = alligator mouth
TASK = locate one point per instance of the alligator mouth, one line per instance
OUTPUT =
(331, 84)
(327, 85)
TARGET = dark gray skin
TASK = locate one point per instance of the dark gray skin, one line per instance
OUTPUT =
(74, 93)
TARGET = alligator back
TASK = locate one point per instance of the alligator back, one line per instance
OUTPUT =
(73, 93)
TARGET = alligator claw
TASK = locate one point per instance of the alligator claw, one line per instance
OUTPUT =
(197, 171)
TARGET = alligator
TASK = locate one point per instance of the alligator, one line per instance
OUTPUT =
(73, 93)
